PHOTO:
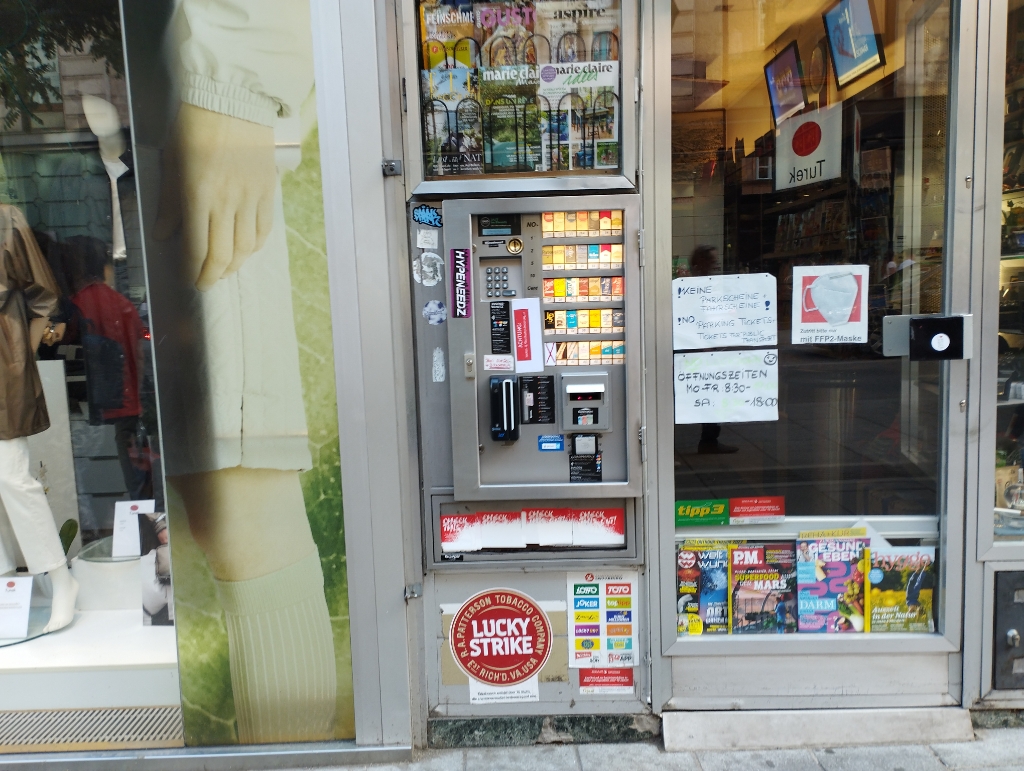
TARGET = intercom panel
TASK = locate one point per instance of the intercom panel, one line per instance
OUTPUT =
(543, 340)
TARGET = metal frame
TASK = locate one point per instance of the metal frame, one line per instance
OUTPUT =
(371, 351)
(515, 183)
(953, 460)
(461, 340)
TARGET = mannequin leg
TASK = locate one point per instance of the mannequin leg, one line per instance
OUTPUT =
(33, 526)
(252, 526)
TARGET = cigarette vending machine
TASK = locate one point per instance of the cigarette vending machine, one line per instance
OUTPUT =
(540, 348)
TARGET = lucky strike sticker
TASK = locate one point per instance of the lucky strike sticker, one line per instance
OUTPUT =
(500, 637)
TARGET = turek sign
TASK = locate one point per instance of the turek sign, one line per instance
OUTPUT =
(808, 148)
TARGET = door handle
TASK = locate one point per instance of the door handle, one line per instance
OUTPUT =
(1013, 639)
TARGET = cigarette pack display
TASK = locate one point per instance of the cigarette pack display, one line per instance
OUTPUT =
(618, 320)
(548, 288)
(572, 288)
(561, 353)
(546, 257)
(606, 288)
(762, 588)
(583, 290)
(593, 255)
(547, 224)
(619, 352)
(582, 224)
(606, 255)
(617, 222)
(703, 596)
(595, 351)
(570, 224)
(573, 354)
(559, 290)
(583, 321)
(616, 255)
(606, 319)
(595, 319)
(595, 224)
(560, 322)
(831, 574)
(595, 288)
(558, 257)
(584, 352)
(549, 322)
(617, 287)
(607, 351)
(558, 227)
(570, 322)
(902, 580)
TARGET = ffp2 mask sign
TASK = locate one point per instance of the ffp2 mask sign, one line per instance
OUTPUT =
(830, 304)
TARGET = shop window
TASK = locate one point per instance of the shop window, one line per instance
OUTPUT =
(808, 202)
(520, 87)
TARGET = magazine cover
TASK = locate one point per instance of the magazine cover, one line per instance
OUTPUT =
(703, 597)
(902, 582)
(452, 121)
(447, 34)
(831, 576)
(762, 588)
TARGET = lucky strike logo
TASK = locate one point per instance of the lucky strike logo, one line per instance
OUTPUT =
(806, 139)
(500, 637)
(687, 559)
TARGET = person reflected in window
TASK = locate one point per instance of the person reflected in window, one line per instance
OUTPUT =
(704, 262)
(111, 333)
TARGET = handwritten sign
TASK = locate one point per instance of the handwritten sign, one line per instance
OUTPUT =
(724, 311)
(727, 386)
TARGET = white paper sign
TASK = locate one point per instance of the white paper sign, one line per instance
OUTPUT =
(15, 603)
(830, 304)
(808, 148)
(426, 238)
(482, 693)
(724, 311)
(126, 527)
(727, 386)
(603, 610)
(527, 344)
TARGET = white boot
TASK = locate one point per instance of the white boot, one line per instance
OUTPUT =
(65, 592)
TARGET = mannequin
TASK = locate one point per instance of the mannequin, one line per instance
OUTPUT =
(28, 297)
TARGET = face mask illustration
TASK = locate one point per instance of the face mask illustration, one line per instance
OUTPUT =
(832, 295)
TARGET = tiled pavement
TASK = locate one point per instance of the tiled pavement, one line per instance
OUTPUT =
(999, 749)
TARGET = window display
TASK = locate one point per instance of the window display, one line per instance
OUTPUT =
(1009, 479)
(808, 205)
(520, 87)
(188, 247)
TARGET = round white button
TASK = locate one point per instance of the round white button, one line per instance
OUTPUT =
(940, 342)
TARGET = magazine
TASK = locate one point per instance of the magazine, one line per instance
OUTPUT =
(703, 597)
(902, 588)
(830, 581)
(762, 588)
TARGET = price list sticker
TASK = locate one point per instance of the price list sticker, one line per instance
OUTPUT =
(727, 386)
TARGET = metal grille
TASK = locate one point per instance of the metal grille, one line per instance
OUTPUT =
(69, 729)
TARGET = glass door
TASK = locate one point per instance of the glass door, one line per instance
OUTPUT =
(809, 205)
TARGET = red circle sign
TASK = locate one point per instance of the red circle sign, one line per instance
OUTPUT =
(500, 637)
(806, 139)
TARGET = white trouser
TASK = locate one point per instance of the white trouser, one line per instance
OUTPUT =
(29, 512)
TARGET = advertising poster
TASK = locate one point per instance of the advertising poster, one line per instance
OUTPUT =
(852, 40)
(724, 311)
(785, 84)
(830, 304)
(808, 148)
(501, 639)
(603, 620)
(726, 386)
(254, 499)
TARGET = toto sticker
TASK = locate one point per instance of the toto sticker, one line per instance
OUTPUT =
(500, 637)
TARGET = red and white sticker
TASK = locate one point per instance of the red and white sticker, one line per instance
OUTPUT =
(500, 637)
(527, 342)
(606, 681)
(749, 511)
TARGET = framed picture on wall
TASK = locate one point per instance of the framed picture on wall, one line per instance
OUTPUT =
(855, 46)
(785, 84)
